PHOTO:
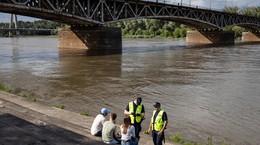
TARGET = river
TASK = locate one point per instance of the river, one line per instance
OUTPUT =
(206, 91)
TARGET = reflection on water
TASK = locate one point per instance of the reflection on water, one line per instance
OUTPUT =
(205, 90)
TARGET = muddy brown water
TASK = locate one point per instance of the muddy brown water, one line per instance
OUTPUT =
(204, 90)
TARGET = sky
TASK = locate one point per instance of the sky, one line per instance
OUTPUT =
(219, 4)
(214, 4)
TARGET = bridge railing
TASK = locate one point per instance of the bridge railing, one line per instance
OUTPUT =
(183, 4)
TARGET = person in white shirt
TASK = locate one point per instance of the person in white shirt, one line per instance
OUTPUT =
(128, 133)
(96, 128)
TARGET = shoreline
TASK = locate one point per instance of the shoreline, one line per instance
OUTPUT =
(41, 124)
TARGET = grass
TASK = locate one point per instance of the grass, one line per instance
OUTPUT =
(6, 88)
(24, 94)
(27, 95)
(60, 106)
(85, 113)
(177, 138)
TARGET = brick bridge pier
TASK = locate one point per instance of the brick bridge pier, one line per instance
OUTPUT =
(210, 37)
(92, 40)
(106, 40)
(251, 36)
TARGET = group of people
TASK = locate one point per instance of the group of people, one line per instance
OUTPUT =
(131, 127)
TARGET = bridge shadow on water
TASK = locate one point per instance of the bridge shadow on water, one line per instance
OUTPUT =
(17, 131)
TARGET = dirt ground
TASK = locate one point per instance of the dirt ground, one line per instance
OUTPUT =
(24, 122)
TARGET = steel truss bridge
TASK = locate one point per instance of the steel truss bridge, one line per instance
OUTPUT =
(101, 12)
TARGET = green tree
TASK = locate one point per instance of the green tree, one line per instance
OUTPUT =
(233, 9)
(176, 33)
(183, 32)
(238, 31)
(251, 11)
(139, 32)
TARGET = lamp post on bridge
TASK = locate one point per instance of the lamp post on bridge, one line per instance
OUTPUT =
(178, 2)
(190, 2)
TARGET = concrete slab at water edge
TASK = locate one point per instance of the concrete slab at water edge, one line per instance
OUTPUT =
(25, 122)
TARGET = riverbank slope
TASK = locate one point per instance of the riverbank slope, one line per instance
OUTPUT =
(24, 122)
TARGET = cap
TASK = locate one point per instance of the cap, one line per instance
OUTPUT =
(138, 100)
(156, 104)
(105, 111)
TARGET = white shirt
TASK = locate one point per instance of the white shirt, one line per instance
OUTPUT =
(129, 133)
(97, 124)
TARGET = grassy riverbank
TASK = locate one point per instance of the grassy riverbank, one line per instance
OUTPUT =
(64, 127)
(177, 138)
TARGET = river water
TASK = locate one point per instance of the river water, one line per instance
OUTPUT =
(206, 91)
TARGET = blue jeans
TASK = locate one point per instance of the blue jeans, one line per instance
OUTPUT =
(130, 142)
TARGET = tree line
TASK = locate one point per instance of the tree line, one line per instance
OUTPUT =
(148, 28)
(249, 11)
(142, 28)
(40, 24)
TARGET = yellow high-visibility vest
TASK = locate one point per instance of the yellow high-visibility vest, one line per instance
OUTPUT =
(158, 123)
(137, 111)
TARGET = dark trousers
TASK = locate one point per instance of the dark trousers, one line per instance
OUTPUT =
(157, 139)
(98, 133)
(138, 129)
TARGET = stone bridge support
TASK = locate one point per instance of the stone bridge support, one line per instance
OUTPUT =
(251, 36)
(210, 37)
(92, 40)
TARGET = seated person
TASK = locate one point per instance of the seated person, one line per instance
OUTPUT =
(96, 128)
(128, 133)
(109, 132)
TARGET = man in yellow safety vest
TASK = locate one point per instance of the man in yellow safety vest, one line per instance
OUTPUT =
(135, 110)
(158, 124)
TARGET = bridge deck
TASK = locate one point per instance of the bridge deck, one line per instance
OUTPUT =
(93, 12)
